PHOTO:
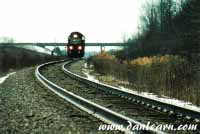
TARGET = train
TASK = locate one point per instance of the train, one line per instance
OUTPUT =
(76, 45)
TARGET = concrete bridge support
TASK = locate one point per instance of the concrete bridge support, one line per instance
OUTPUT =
(102, 48)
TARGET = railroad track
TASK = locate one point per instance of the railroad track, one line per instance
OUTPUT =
(177, 115)
(104, 114)
(183, 112)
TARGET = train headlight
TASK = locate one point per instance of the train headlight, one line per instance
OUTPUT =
(71, 47)
(75, 35)
(80, 47)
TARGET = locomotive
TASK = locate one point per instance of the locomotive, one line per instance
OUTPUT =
(76, 45)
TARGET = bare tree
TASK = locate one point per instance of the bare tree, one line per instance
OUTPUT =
(6, 40)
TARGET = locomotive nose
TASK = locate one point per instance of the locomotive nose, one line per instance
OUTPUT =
(76, 45)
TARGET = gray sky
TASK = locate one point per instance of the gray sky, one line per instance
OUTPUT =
(50, 20)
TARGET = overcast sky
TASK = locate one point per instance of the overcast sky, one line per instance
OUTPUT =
(50, 20)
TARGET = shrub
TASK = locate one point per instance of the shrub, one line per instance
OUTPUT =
(169, 75)
(104, 63)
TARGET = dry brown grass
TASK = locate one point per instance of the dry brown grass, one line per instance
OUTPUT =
(169, 75)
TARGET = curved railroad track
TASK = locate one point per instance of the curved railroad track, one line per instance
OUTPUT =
(94, 109)
(152, 103)
(107, 113)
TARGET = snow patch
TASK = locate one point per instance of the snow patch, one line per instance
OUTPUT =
(165, 99)
(2, 79)
(36, 48)
(86, 71)
(90, 77)
(85, 65)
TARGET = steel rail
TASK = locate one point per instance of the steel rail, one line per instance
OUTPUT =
(104, 114)
(152, 103)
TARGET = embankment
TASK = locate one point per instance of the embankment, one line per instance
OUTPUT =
(15, 58)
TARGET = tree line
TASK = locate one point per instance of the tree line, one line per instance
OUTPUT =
(163, 57)
(167, 27)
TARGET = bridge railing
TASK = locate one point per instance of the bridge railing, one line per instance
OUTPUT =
(62, 44)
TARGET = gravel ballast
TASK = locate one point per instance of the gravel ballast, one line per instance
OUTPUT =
(26, 106)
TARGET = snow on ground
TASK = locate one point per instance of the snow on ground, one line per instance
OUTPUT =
(164, 99)
(90, 77)
(36, 48)
(153, 96)
(2, 79)
(87, 73)
(85, 66)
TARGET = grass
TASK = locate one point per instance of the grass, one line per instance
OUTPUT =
(168, 75)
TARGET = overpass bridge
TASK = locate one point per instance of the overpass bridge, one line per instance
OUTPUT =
(61, 44)
(101, 45)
